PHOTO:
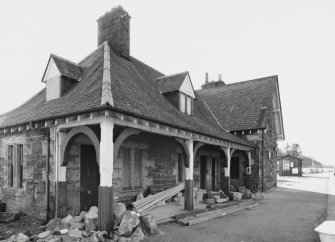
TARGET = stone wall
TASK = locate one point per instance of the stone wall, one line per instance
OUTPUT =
(31, 198)
(159, 156)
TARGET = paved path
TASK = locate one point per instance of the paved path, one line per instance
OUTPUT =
(286, 214)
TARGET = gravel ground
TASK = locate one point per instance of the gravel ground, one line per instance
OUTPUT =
(286, 214)
(25, 223)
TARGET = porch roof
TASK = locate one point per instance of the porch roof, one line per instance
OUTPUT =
(135, 91)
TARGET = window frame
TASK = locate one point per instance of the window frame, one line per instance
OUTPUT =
(286, 165)
(19, 165)
(10, 165)
(184, 100)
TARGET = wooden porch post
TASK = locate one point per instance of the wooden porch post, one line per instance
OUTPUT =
(226, 182)
(249, 170)
(106, 190)
(189, 177)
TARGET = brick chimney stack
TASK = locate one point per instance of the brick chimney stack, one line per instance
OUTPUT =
(113, 27)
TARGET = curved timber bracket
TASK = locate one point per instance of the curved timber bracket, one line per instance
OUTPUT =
(122, 137)
(80, 130)
(197, 147)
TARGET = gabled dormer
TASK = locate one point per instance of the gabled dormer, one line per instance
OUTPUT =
(60, 75)
(178, 89)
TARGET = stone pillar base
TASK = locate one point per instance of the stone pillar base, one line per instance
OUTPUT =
(106, 201)
(189, 195)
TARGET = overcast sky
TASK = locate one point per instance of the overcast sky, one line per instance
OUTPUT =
(241, 40)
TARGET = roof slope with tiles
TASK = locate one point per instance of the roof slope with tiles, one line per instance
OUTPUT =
(171, 83)
(242, 105)
(135, 91)
(67, 68)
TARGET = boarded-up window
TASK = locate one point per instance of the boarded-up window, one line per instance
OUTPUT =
(137, 168)
(19, 166)
(235, 168)
(126, 168)
(132, 168)
(10, 166)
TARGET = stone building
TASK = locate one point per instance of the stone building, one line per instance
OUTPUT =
(289, 165)
(110, 126)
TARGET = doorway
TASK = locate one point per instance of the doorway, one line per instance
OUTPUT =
(203, 171)
(89, 177)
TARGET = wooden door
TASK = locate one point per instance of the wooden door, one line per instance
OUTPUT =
(89, 178)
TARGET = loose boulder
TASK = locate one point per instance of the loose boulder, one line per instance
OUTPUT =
(18, 238)
(119, 209)
(53, 224)
(75, 234)
(44, 234)
(92, 213)
(148, 224)
(129, 222)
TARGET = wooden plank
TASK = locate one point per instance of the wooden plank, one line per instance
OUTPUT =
(217, 214)
(148, 200)
(164, 197)
(218, 211)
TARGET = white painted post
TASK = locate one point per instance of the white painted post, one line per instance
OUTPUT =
(189, 176)
(106, 153)
(189, 170)
(249, 159)
(106, 190)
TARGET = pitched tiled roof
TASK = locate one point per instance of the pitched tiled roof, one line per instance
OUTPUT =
(67, 68)
(84, 95)
(242, 105)
(135, 91)
(172, 82)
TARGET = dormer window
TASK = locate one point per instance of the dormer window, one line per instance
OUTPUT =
(185, 103)
(178, 90)
(59, 76)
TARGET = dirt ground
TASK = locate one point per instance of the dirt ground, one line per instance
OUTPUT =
(286, 214)
(25, 224)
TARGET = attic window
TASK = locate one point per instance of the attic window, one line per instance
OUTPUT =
(185, 104)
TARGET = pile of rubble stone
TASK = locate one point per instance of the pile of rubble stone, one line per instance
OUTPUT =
(129, 226)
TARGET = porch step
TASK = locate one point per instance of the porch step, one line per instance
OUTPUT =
(202, 217)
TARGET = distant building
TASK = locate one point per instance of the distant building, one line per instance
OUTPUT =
(289, 165)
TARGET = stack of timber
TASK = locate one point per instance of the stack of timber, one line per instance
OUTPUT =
(203, 217)
(150, 202)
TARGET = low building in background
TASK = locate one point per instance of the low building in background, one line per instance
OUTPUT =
(289, 165)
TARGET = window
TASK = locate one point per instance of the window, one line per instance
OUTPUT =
(286, 165)
(189, 105)
(182, 103)
(126, 168)
(277, 165)
(132, 168)
(10, 166)
(19, 166)
(185, 104)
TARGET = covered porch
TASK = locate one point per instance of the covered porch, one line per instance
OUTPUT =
(110, 157)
